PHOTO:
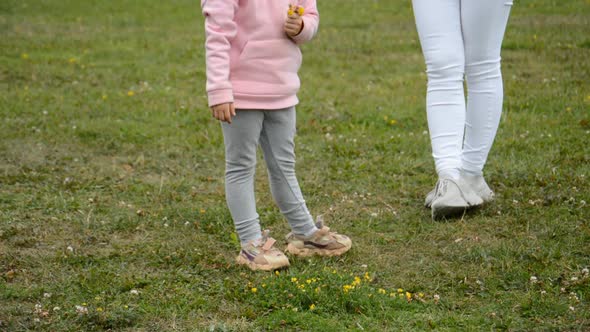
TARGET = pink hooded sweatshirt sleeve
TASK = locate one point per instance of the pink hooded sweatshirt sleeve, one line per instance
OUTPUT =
(311, 20)
(220, 28)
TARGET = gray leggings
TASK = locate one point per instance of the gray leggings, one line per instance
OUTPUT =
(275, 131)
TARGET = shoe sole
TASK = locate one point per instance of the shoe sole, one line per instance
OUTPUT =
(447, 211)
(307, 252)
(258, 267)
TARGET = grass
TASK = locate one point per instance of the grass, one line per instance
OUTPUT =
(112, 211)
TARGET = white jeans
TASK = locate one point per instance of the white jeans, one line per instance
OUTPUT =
(462, 38)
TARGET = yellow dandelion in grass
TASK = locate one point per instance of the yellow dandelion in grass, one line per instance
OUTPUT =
(367, 276)
(347, 288)
(99, 309)
(399, 290)
(263, 285)
(277, 272)
(308, 281)
(24, 56)
(72, 60)
(392, 122)
(202, 211)
(568, 109)
(317, 289)
(381, 291)
(254, 289)
(391, 294)
(356, 281)
(312, 307)
(408, 296)
(105, 97)
(293, 279)
(420, 295)
(130, 93)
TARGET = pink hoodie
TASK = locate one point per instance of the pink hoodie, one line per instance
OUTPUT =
(250, 59)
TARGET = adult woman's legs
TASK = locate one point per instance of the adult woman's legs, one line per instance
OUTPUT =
(439, 28)
(483, 24)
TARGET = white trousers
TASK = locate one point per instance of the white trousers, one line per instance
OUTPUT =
(462, 38)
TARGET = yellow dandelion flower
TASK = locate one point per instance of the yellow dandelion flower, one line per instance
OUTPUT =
(130, 93)
(568, 109)
(293, 279)
(392, 122)
(126, 306)
(391, 294)
(263, 285)
(399, 290)
(381, 291)
(312, 307)
(99, 309)
(408, 296)
(356, 281)
(317, 289)
(333, 271)
(421, 295)
(72, 60)
(291, 10)
(202, 211)
(24, 56)
(254, 290)
(104, 97)
(366, 276)
(277, 272)
(308, 281)
(347, 288)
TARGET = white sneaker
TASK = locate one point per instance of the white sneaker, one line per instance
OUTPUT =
(479, 185)
(453, 197)
(429, 198)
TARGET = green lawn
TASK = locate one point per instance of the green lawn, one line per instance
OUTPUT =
(112, 211)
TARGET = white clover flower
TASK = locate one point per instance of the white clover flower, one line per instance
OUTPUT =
(82, 310)
(534, 279)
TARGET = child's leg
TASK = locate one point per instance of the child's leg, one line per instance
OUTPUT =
(241, 140)
(278, 146)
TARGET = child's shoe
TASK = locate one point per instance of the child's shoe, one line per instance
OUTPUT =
(262, 255)
(321, 243)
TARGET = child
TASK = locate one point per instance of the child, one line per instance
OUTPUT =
(252, 57)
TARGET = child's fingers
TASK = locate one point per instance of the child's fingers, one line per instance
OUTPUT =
(232, 109)
(227, 114)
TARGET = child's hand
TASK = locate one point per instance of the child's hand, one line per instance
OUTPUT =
(294, 22)
(223, 112)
